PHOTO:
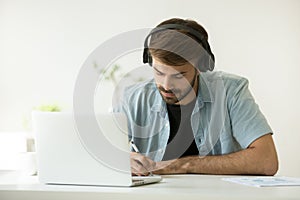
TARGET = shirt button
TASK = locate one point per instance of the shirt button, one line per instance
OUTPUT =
(167, 124)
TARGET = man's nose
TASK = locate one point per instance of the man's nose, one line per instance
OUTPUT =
(168, 83)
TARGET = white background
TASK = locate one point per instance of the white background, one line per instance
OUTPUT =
(44, 43)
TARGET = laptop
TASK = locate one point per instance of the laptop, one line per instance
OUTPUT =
(72, 149)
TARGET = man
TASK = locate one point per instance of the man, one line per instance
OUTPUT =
(190, 120)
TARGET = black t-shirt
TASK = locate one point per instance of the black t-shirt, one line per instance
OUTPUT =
(181, 141)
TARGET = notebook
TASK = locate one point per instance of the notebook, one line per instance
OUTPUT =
(265, 181)
(84, 149)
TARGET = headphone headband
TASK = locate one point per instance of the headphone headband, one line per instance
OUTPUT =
(174, 27)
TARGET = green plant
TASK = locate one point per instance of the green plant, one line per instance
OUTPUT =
(49, 108)
(110, 73)
(114, 74)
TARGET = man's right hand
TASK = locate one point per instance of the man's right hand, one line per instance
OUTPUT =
(141, 165)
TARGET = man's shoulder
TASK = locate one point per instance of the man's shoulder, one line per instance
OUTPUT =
(218, 82)
(227, 78)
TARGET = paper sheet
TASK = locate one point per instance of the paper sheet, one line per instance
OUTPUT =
(265, 181)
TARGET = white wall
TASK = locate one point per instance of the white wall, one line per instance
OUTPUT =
(44, 43)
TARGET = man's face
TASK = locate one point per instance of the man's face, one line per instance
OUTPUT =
(175, 82)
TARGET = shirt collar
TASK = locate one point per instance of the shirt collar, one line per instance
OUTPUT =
(204, 93)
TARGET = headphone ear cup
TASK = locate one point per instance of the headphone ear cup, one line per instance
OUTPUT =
(206, 63)
(203, 64)
(147, 58)
(211, 63)
(150, 60)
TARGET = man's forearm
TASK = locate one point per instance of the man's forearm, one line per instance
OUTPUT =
(243, 162)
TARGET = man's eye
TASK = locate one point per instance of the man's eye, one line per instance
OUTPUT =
(179, 76)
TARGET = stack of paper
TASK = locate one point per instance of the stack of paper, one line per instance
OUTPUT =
(265, 181)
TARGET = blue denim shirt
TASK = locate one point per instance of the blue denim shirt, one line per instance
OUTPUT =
(225, 118)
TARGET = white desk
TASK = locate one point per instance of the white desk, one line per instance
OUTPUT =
(186, 187)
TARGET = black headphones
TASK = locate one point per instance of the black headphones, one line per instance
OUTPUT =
(207, 61)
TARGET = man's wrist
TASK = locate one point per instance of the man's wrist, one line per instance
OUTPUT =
(182, 165)
(186, 164)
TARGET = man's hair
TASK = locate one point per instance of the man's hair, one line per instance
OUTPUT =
(176, 42)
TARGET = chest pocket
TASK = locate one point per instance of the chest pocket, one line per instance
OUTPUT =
(209, 133)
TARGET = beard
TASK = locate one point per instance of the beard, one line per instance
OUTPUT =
(175, 95)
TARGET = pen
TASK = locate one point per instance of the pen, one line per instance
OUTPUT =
(137, 151)
(134, 147)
